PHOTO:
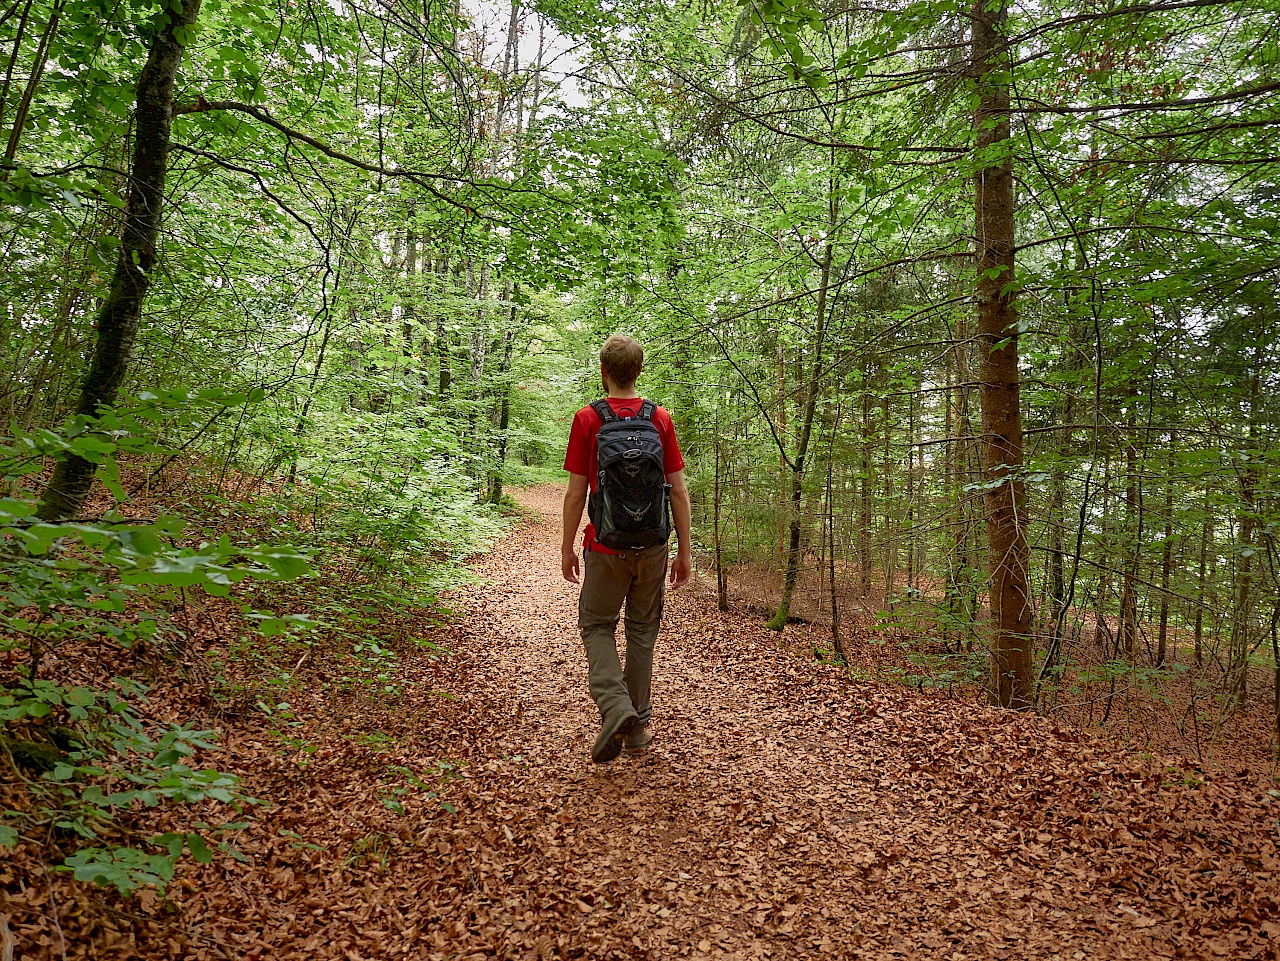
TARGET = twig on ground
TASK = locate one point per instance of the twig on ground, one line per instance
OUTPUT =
(57, 923)
(7, 941)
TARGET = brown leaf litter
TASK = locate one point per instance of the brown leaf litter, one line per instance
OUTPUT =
(786, 811)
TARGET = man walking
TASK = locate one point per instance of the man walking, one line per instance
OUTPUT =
(634, 568)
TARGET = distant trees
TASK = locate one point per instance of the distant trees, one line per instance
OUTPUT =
(1098, 273)
(910, 276)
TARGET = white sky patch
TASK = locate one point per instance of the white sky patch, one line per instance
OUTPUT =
(561, 59)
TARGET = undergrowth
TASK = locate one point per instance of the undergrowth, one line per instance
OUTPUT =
(233, 594)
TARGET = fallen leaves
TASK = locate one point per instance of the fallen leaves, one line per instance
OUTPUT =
(786, 811)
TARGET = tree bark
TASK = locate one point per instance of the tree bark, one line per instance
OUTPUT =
(38, 62)
(1242, 610)
(864, 497)
(891, 526)
(1127, 631)
(836, 644)
(722, 581)
(1011, 653)
(911, 496)
(792, 570)
(1206, 532)
(121, 313)
(504, 405)
(1166, 565)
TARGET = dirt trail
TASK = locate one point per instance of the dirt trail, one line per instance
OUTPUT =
(786, 811)
(789, 812)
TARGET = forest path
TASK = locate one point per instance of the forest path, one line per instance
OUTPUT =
(786, 811)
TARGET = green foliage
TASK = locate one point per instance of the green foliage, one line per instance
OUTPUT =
(404, 782)
(62, 584)
(933, 667)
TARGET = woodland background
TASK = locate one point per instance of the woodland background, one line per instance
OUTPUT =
(967, 318)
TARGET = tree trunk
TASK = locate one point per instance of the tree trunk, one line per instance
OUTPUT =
(1206, 532)
(1241, 614)
(121, 313)
(1242, 610)
(1127, 636)
(911, 496)
(1101, 629)
(864, 498)
(504, 405)
(38, 62)
(782, 432)
(722, 582)
(16, 52)
(964, 580)
(792, 571)
(300, 428)
(1011, 653)
(891, 527)
(1275, 677)
(1166, 563)
(836, 644)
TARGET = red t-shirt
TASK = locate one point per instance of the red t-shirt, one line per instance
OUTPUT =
(580, 458)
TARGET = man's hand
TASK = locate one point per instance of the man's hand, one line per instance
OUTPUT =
(569, 565)
(575, 498)
(681, 568)
(680, 513)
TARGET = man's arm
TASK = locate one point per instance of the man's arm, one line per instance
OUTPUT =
(681, 513)
(575, 498)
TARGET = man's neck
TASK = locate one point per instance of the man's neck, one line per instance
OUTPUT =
(628, 394)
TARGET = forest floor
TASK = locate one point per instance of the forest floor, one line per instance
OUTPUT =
(1181, 708)
(785, 811)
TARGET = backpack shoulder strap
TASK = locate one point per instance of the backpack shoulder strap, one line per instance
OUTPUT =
(604, 411)
(647, 410)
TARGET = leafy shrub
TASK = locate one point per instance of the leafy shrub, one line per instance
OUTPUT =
(105, 578)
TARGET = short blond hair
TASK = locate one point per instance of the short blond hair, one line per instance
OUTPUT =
(622, 359)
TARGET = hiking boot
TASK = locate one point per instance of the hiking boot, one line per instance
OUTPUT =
(638, 741)
(613, 732)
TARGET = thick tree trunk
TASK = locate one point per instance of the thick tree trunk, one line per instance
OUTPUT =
(121, 312)
(1011, 653)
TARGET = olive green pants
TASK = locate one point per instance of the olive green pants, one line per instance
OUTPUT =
(636, 578)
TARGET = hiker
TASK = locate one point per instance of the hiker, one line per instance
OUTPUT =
(643, 491)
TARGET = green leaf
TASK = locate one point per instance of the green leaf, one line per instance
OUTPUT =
(199, 849)
(110, 476)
